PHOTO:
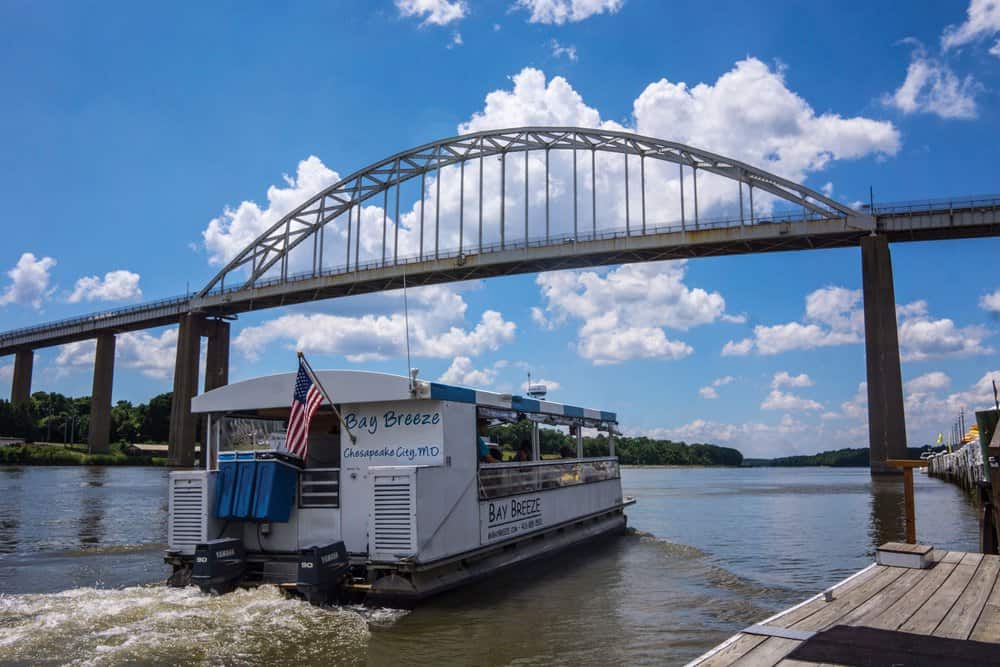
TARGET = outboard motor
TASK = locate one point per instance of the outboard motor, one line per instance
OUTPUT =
(321, 570)
(218, 565)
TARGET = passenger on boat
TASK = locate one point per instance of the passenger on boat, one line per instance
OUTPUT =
(524, 453)
(485, 455)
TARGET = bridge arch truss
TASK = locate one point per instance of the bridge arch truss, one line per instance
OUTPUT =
(270, 252)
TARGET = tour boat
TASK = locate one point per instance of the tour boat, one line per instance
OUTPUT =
(394, 500)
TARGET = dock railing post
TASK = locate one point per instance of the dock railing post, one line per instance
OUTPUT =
(910, 508)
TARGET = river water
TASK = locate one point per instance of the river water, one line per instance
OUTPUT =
(713, 550)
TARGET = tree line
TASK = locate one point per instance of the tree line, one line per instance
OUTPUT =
(630, 450)
(53, 417)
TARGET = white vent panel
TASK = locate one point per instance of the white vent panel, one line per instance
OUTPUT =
(392, 528)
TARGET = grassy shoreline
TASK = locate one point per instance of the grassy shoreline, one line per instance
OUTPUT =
(48, 454)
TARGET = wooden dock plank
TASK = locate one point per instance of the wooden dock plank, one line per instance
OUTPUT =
(881, 601)
(852, 599)
(925, 620)
(987, 628)
(962, 617)
(795, 615)
(770, 652)
(901, 610)
(957, 599)
(733, 651)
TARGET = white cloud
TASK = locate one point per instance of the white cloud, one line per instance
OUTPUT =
(29, 281)
(982, 21)
(434, 12)
(435, 315)
(612, 347)
(559, 12)
(151, 355)
(932, 87)
(456, 40)
(929, 412)
(784, 379)
(462, 372)
(750, 114)
(923, 338)
(116, 286)
(927, 382)
(710, 390)
(990, 302)
(624, 311)
(739, 348)
(559, 51)
(835, 316)
(779, 400)
(6, 371)
(236, 228)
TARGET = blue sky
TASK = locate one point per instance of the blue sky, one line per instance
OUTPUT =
(141, 143)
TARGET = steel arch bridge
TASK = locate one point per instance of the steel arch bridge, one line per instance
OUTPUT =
(272, 249)
(274, 269)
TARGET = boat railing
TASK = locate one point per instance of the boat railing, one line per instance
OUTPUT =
(507, 479)
(319, 487)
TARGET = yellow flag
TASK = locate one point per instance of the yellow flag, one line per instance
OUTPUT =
(940, 438)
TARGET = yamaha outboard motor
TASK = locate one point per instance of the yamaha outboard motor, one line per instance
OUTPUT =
(321, 570)
(218, 565)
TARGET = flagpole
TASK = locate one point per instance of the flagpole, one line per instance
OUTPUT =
(322, 390)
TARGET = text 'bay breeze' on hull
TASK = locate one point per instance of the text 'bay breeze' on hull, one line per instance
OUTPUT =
(397, 498)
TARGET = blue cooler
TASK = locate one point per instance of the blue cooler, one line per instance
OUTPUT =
(225, 485)
(246, 472)
(274, 490)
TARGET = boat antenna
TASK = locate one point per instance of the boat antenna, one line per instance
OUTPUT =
(406, 324)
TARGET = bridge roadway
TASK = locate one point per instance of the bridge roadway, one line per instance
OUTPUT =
(922, 221)
(263, 266)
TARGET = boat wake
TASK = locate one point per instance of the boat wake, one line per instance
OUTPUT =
(157, 624)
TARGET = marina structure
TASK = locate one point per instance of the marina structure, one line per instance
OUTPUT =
(395, 501)
(297, 260)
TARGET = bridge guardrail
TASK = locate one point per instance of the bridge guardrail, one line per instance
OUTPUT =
(183, 302)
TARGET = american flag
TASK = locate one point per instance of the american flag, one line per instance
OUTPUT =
(305, 400)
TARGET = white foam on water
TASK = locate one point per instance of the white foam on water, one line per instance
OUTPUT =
(157, 624)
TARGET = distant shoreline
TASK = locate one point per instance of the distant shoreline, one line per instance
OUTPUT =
(54, 454)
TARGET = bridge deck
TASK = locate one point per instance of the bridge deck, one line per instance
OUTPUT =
(945, 614)
(926, 221)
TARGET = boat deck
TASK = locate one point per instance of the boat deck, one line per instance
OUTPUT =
(948, 613)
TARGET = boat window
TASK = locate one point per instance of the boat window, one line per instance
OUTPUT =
(512, 479)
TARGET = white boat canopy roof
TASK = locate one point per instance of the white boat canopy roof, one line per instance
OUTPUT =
(275, 391)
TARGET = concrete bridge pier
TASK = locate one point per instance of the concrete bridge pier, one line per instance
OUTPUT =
(99, 433)
(20, 390)
(183, 424)
(886, 420)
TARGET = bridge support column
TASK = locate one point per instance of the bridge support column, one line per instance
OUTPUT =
(182, 421)
(20, 390)
(217, 354)
(886, 421)
(100, 399)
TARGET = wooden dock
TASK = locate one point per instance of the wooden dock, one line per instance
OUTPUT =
(948, 613)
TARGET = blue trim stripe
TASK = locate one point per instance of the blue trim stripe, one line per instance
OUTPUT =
(572, 411)
(447, 392)
(523, 404)
(608, 416)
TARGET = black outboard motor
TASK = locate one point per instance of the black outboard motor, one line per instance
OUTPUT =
(321, 571)
(218, 565)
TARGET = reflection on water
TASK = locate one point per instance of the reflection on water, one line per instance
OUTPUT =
(887, 521)
(93, 505)
(713, 551)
